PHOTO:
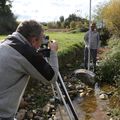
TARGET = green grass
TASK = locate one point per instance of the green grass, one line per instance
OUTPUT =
(66, 40)
(2, 37)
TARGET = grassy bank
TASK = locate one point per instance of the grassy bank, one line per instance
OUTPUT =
(109, 67)
(70, 46)
(109, 72)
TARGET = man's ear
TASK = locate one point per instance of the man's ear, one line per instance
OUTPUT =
(32, 40)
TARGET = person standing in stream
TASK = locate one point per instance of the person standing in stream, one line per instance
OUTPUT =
(93, 45)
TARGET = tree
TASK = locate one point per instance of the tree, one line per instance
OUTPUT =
(61, 19)
(71, 17)
(66, 23)
(72, 25)
(5, 6)
(110, 13)
(7, 19)
(52, 25)
(2, 4)
(58, 24)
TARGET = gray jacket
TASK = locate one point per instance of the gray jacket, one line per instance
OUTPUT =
(19, 61)
(93, 43)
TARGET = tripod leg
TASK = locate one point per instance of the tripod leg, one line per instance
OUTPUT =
(68, 98)
(67, 109)
(58, 104)
(53, 90)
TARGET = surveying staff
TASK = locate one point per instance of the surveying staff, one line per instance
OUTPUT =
(18, 61)
(92, 44)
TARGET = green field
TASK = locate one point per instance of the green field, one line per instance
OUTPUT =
(2, 37)
(65, 40)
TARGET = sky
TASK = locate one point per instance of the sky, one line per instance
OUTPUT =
(51, 10)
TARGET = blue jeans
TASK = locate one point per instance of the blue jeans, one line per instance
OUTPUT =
(93, 55)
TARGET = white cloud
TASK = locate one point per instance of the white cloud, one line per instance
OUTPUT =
(50, 10)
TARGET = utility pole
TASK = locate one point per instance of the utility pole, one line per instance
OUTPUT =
(89, 34)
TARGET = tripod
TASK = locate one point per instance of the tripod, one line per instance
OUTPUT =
(61, 89)
(67, 103)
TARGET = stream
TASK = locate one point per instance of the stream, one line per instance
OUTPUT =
(89, 107)
(86, 100)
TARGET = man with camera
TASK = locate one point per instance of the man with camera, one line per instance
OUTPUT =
(20, 60)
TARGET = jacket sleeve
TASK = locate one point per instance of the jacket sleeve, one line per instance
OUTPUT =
(33, 63)
(40, 69)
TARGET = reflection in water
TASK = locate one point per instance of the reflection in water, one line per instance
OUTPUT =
(91, 107)
(97, 89)
(102, 105)
(94, 107)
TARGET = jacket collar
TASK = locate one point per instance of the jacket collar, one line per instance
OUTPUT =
(20, 37)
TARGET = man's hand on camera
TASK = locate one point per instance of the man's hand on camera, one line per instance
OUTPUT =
(53, 45)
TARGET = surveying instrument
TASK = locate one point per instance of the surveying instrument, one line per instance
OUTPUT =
(59, 89)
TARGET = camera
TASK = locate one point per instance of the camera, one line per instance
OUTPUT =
(45, 42)
(44, 49)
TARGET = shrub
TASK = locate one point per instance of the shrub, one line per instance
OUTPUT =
(109, 68)
(72, 25)
(104, 36)
(111, 16)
